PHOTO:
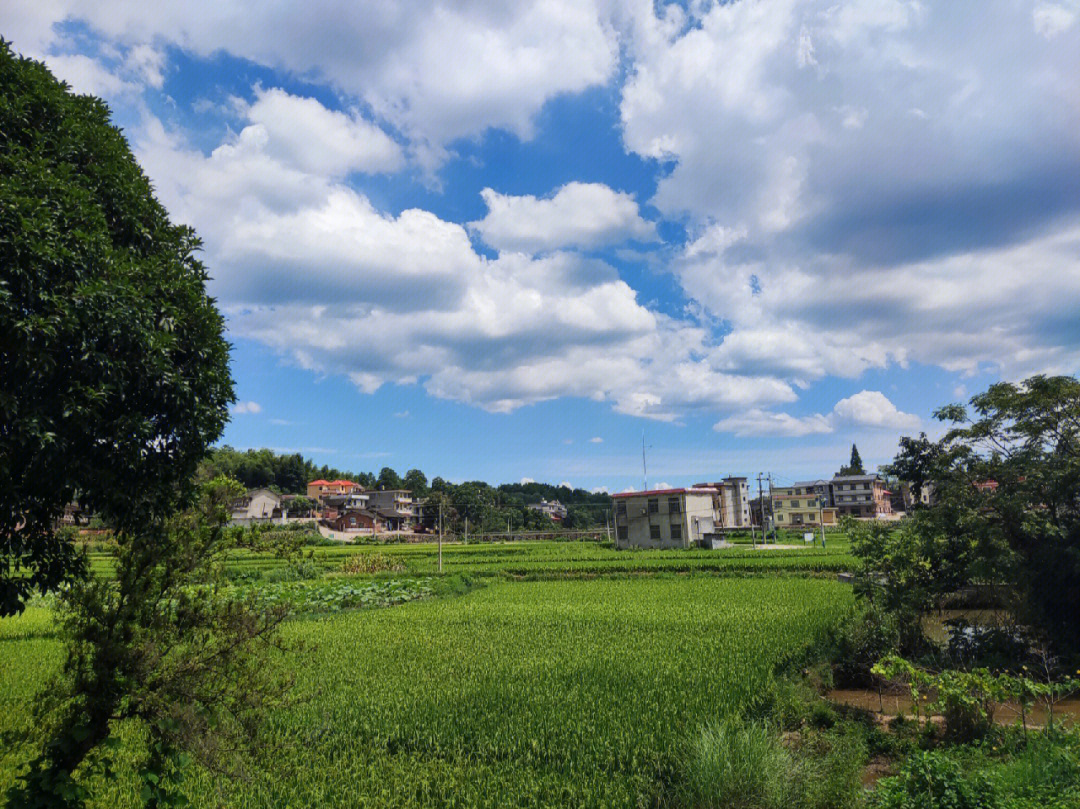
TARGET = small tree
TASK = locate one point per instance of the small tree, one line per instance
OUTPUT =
(165, 645)
(855, 466)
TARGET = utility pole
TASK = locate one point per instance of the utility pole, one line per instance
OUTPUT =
(761, 505)
(769, 478)
(440, 536)
(607, 522)
(644, 468)
(821, 520)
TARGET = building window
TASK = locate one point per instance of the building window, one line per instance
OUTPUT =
(654, 506)
(620, 508)
(673, 505)
(794, 503)
(654, 532)
(676, 531)
(623, 533)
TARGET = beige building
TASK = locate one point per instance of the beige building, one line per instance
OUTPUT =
(321, 489)
(804, 503)
(258, 504)
(665, 518)
(732, 501)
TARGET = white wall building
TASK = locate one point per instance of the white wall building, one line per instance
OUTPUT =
(665, 518)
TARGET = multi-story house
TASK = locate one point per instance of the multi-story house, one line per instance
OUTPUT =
(732, 501)
(861, 496)
(807, 502)
(552, 508)
(665, 518)
(321, 489)
(395, 507)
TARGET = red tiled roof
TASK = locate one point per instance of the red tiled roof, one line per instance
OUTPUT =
(665, 491)
(319, 483)
(342, 483)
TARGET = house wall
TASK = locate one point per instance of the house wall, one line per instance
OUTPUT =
(694, 516)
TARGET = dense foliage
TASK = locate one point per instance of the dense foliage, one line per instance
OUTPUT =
(1006, 483)
(161, 644)
(486, 507)
(114, 363)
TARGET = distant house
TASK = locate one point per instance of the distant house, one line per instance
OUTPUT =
(733, 501)
(257, 504)
(394, 507)
(665, 518)
(321, 489)
(861, 496)
(807, 502)
(353, 520)
(551, 508)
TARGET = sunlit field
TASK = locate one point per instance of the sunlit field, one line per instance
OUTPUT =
(575, 692)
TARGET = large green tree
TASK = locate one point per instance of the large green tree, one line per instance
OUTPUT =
(114, 367)
(1006, 480)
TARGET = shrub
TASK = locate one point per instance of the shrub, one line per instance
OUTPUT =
(932, 780)
(371, 563)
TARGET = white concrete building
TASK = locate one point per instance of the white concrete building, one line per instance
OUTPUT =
(665, 518)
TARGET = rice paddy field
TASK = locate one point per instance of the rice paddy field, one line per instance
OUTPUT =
(553, 679)
(545, 559)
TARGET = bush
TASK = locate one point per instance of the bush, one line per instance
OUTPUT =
(371, 563)
(301, 570)
(932, 780)
(860, 641)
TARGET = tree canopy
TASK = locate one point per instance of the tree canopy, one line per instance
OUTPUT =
(115, 367)
(1006, 480)
(855, 465)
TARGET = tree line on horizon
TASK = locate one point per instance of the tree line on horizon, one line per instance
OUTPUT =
(487, 507)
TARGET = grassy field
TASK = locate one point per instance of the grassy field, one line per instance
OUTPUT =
(575, 691)
(546, 559)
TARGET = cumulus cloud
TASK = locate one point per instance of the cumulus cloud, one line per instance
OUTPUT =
(868, 409)
(301, 132)
(836, 227)
(596, 440)
(246, 408)
(308, 265)
(435, 70)
(578, 215)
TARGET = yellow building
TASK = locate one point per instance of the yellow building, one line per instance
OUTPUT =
(804, 503)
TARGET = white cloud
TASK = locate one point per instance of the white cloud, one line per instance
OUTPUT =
(435, 70)
(527, 480)
(578, 215)
(1052, 19)
(836, 227)
(246, 408)
(402, 414)
(566, 485)
(871, 408)
(757, 422)
(596, 440)
(307, 265)
(600, 490)
(867, 409)
(301, 132)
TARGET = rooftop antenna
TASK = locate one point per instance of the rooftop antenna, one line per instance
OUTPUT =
(644, 468)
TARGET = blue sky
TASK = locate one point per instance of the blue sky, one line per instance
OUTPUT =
(504, 240)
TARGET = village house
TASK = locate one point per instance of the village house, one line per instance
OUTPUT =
(807, 502)
(861, 496)
(732, 501)
(552, 508)
(394, 508)
(665, 518)
(258, 504)
(321, 489)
